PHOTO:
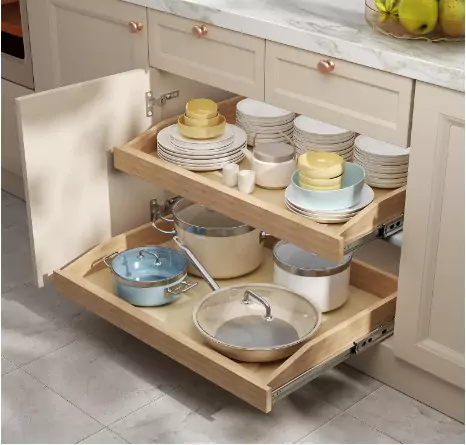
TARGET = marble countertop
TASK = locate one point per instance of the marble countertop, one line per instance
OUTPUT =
(334, 28)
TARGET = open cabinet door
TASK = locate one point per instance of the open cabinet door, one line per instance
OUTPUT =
(75, 197)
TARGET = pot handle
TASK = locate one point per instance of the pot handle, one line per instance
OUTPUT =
(179, 288)
(106, 257)
(156, 227)
(246, 300)
(209, 280)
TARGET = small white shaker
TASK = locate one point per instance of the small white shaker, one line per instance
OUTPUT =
(246, 181)
(230, 174)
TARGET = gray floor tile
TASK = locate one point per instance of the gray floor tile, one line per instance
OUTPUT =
(406, 419)
(104, 436)
(346, 429)
(343, 386)
(7, 366)
(32, 413)
(27, 333)
(203, 412)
(108, 377)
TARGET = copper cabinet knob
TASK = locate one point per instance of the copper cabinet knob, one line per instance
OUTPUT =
(200, 30)
(325, 66)
(135, 26)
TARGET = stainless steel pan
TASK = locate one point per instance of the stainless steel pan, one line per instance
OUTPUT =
(253, 322)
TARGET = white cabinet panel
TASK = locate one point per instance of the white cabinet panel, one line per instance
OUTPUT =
(75, 41)
(430, 310)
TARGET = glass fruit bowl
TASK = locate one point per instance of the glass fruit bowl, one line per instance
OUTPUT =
(433, 20)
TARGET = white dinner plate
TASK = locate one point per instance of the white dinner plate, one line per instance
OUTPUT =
(255, 109)
(378, 148)
(199, 159)
(308, 125)
(220, 141)
(367, 196)
(321, 220)
(210, 167)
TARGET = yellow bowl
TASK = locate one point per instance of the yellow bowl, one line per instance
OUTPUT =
(315, 187)
(321, 165)
(201, 132)
(313, 182)
(201, 122)
(201, 109)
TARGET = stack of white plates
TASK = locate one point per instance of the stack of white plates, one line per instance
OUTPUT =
(201, 155)
(386, 165)
(294, 204)
(263, 122)
(313, 135)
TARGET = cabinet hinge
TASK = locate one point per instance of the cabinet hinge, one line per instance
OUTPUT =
(151, 101)
(383, 231)
(376, 336)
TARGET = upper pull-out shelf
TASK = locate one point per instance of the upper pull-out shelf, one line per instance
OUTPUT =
(264, 209)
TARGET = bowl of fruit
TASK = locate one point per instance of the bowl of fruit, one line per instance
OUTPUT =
(433, 20)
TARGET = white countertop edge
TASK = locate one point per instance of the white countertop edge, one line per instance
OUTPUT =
(384, 60)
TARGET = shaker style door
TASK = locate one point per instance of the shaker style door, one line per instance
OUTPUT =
(75, 197)
(429, 329)
(75, 41)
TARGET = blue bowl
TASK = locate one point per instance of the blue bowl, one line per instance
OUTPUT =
(348, 196)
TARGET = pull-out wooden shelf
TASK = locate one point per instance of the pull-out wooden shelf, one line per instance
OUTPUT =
(264, 209)
(170, 328)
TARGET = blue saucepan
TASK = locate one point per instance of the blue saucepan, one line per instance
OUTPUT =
(149, 276)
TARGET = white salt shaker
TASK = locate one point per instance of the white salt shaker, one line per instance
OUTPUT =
(246, 181)
(230, 174)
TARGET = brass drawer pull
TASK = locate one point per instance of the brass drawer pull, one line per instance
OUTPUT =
(135, 26)
(325, 66)
(199, 30)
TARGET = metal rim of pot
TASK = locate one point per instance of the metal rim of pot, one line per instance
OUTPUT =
(145, 284)
(173, 207)
(299, 271)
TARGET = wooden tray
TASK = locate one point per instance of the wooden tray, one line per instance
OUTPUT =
(263, 209)
(170, 328)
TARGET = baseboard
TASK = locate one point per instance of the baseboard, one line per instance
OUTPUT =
(381, 363)
(13, 184)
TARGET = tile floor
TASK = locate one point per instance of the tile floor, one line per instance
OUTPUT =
(69, 377)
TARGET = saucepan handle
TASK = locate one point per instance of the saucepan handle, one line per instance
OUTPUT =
(179, 288)
(156, 227)
(246, 300)
(107, 257)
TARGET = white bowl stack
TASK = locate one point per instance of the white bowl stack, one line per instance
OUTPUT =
(313, 135)
(201, 155)
(386, 165)
(263, 122)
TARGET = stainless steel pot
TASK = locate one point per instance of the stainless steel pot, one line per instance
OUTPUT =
(227, 248)
(149, 276)
(253, 322)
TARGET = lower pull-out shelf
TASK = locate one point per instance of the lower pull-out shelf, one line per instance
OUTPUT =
(264, 209)
(170, 329)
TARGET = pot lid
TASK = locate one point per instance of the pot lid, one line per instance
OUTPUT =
(236, 318)
(274, 152)
(301, 262)
(149, 265)
(195, 218)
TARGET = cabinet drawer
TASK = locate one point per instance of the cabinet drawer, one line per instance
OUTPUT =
(224, 59)
(361, 99)
(170, 328)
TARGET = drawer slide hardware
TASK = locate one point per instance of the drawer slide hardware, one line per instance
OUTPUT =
(383, 231)
(376, 336)
(151, 101)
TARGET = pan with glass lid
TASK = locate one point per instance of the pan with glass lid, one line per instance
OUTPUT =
(253, 322)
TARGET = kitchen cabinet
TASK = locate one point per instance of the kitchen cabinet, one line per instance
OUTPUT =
(81, 209)
(76, 41)
(430, 311)
(12, 176)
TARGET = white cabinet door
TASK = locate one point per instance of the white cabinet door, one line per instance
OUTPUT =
(74, 41)
(11, 156)
(75, 197)
(429, 329)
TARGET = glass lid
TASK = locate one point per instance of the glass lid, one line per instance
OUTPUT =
(235, 317)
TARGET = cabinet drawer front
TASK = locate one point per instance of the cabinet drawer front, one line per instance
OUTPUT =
(221, 58)
(361, 99)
